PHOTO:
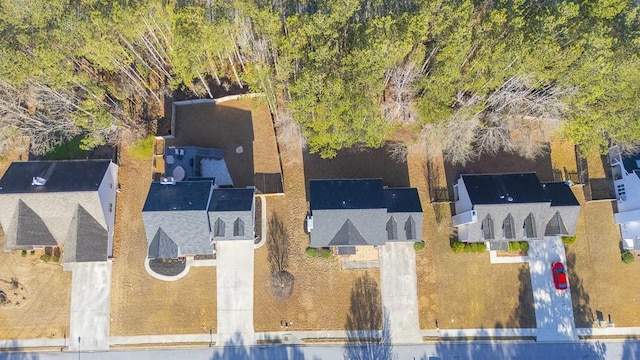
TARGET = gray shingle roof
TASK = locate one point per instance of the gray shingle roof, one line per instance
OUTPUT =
(87, 240)
(31, 231)
(162, 246)
(352, 212)
(60, 176)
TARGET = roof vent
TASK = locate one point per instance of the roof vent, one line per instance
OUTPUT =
(509, 199)
(167, 180)
(38, 181)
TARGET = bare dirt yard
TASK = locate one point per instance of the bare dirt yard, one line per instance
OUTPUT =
(241, 128)
(323, 295)
(38, 294)
(140, 304)
(601, 284)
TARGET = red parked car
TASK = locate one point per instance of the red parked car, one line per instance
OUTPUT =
(559, 275)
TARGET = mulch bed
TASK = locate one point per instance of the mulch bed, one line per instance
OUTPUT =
(167, 267)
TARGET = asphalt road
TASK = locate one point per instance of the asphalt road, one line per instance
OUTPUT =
(477, 350)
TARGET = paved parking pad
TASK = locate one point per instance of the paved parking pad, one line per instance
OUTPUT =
(400, 291)
(234, 271)
(554, 310)
(90, 302)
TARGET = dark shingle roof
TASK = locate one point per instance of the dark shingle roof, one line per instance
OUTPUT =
(402, 200)
(560, 194)
(504, 189)
(184, 195)
(61, 176)
(346, 194)
(230, 199)
(631, 162)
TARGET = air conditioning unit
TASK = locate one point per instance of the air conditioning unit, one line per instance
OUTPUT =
(309, 223)
(167, 180)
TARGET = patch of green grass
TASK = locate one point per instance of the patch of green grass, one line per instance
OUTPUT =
(627, 257)
(311, 252)
(71, 149)
(568, 240)
(143, 149)
(325, 253)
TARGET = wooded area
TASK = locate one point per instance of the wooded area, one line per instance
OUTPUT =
(463, 76)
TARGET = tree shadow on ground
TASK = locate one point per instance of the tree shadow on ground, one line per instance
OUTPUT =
(7, 353)
(478, 348)
(235, 350)
(582, 312)
(357, 163)
(524, 315)
(368, 334)
(631, 349)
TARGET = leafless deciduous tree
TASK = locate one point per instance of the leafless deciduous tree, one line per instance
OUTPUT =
(399, 106)
(397, 151)
(42, 114)
(277, 244)
(282, 285)
(519, 117)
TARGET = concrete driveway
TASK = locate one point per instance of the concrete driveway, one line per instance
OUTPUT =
(554, 310)
(90, 302)
(400, 291)
(234, 271)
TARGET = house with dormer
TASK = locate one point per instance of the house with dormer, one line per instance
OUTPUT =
(498, 208)
(187, 218)
(68, 204)
(626, 181)
(350, 213)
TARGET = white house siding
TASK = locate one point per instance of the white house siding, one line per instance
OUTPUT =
(107, 195)
(463, 203)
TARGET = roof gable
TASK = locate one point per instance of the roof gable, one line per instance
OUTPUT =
(60, 176)
(346, 194)
(162, 246)
(31, 230)
(348, 235)
(87, 240)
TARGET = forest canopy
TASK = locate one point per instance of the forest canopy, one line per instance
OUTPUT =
(464, 77)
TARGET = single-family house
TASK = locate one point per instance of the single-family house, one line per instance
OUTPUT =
(626, 182)
(499, 208)
(186, 218)
(346, 213)
(70, 204)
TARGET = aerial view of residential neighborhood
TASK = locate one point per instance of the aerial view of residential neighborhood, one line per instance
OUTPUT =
(307, 179)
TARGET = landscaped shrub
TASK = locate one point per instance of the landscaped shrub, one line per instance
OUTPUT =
(457, 246)
(311, 252)
(524, 246)
(325, 253)
(568, 240)
(45, 257)
(418, 246)
(24, 253)
(514, 246)
(481, 247)
(627, 257)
